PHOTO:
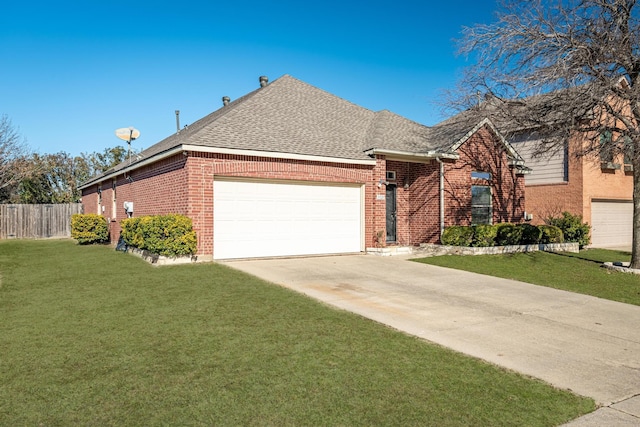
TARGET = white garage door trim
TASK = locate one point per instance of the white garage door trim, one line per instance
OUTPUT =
(266, 218)
(611, 223)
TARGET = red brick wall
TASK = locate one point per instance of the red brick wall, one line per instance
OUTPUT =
(184, 184)
(202, 168)
(375, 205)
(424, 213)
(156, 189)
(417, 207)
(484, 153)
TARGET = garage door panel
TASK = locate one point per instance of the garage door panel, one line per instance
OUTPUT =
(611, 223)
(257, 219)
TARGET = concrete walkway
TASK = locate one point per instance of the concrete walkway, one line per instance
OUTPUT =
(588, 345)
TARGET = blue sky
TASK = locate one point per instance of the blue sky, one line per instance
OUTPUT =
(73, 72)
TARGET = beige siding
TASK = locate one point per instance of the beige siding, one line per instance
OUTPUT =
(547, 169)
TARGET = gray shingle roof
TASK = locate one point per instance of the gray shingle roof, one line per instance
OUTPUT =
(293, 117)
(289, 116)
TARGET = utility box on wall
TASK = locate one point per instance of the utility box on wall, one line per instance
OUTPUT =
(128, 207)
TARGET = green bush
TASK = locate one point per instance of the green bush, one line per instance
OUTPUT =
(573, 228)
(505, 234)
(508, 234)
(484, 235)
(550, 234)
(89, 228)
(530, 234)
(457, 235)
(168, 235)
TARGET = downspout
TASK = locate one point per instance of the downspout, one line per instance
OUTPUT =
(441, 195)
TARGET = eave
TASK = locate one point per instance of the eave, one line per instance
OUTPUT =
(186, 148)
(409, 156)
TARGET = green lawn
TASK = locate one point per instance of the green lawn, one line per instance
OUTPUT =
(581, 273)
(91, 336)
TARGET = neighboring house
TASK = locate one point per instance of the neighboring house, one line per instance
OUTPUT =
(598, 188)
(289, 169)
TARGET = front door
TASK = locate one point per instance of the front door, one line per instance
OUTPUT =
(391, 213)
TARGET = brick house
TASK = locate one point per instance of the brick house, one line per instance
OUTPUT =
(290, 169)
(598, 188)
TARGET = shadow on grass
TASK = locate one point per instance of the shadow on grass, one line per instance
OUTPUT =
(598, 256)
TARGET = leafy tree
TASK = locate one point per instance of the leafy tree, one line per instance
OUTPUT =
(98, 163)
(55, 179)
(561, 68)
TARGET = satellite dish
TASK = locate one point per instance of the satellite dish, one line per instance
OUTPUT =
(128, 134)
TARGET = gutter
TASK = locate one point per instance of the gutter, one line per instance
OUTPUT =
(412, 156)
(277, 155)
(200, 149)
(157, 157)
(441, 163)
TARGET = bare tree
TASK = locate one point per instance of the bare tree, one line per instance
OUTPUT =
(13, 155)
(559, 68)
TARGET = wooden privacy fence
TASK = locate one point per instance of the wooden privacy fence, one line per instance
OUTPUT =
(37, 221)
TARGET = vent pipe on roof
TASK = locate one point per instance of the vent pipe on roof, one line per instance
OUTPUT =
(264, 80)
(177, 121)
(226, 100)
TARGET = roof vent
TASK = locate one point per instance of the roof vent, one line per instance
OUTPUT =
(264, 80)
(226, 100)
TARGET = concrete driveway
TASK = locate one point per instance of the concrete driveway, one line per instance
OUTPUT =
(585, 344)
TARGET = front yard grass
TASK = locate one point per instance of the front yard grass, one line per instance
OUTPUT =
(581, 272)
(91, 336)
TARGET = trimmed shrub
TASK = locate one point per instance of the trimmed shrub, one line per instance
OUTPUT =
(168, 235)
(508, 234)
(573, 228)
(505, 234)
(550, 234)
(484, 235)
(457, 235)
(530, 234)
(89, 228)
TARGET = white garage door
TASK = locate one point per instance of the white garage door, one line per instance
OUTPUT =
(611, 223)
(261, 219)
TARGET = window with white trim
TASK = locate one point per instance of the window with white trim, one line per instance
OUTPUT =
(481, 209)
(99, 199)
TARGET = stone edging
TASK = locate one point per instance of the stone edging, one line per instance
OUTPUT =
(622, 267)
(428, 249)
(156, 259)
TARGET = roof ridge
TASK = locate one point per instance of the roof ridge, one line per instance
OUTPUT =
(323, 91)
